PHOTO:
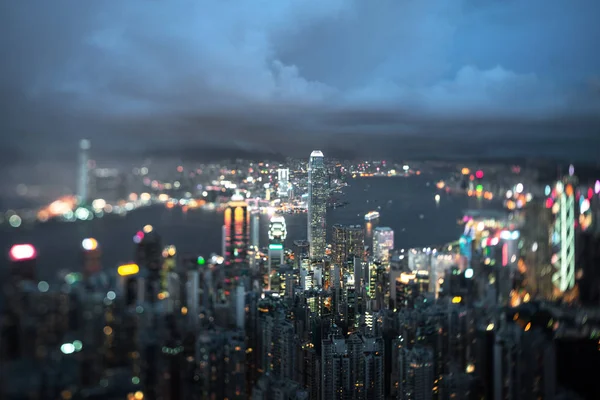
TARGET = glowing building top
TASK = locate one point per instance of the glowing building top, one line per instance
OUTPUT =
(316, 153)
(277, 229)
(237, 197)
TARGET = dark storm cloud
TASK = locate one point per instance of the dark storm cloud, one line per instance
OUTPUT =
(388, 77)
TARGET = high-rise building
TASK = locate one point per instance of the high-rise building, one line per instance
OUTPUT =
(255, 228)
(588, 260)
(277, 235)
(254, 237)
(148, 256)
(193, 295)
(352, 367)
(303, 263)
(536, 254)
(223, 354)
(383, 243)
(302, 252)
(348, 242)
(283, 177)
(83, 172)
(236, 231)
(240, 304)
(277, 229)
(524, 362)
(317, 204)
(563, 235)
(416, 374)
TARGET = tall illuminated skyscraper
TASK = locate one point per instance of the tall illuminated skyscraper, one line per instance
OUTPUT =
(317, 204)
(563, 235)
(236, 233)
(83, 172)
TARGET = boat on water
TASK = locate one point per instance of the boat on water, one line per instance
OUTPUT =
(371, 215)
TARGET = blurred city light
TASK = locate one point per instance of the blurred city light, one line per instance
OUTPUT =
(128, 269)
(99, 204)
(89, 244)
(15, 221)
(82, 213)
(519, 188)
(20, 252)
(138, 237)
(67, 348)
(585, 206)
(43, 286)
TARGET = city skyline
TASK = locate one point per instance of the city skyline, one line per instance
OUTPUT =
(300, 200)
(495, 304)
(284, 79)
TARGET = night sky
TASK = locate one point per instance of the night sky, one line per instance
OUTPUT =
(380, 77)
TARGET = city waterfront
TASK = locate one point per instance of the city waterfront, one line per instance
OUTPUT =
(406, 205)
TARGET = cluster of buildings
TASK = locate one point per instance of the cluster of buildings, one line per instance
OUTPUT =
(508, 311)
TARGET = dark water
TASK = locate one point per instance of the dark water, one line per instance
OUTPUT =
(402, 201)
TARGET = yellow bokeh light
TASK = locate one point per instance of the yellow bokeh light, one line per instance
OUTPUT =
(128, 269)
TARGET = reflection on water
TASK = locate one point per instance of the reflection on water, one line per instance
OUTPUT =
(368, 233)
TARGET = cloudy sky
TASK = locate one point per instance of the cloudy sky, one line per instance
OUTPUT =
(457, 77)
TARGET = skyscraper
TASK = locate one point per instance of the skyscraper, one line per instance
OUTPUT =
(283, 176)
(348, 241)
(317, 204)
(383, 243)
(83, 173)
(254, 237)
(277, 234)
(416, 374)
(536, 237)
(563, 236)
(236, 231)
(255, 228)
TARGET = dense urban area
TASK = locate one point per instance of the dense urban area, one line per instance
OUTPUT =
(507, 309)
